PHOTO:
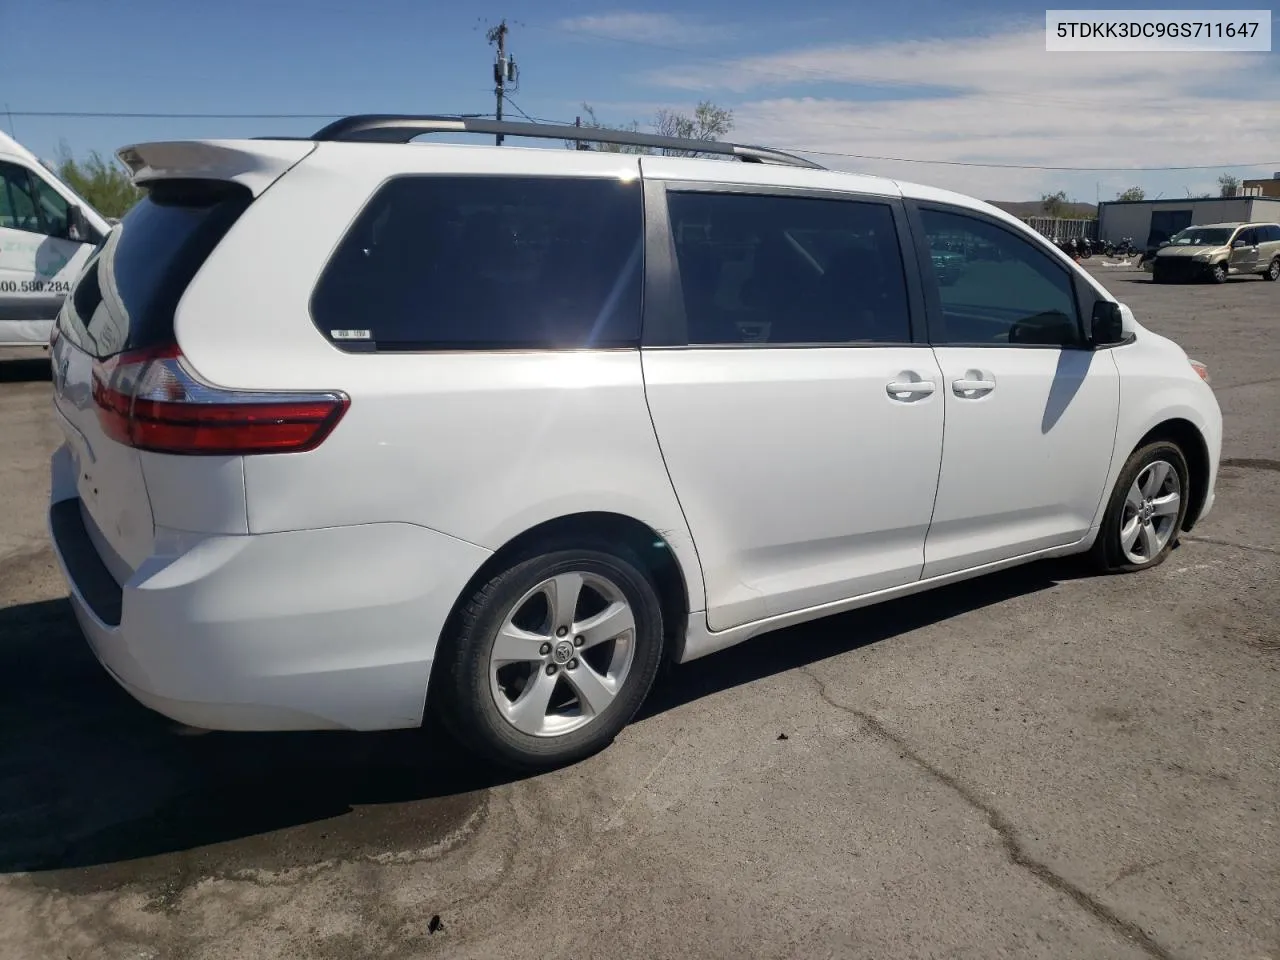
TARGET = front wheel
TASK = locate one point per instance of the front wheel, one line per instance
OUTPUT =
(1145, 512)
(1219, 273)
(550, 659)
(1273, 271)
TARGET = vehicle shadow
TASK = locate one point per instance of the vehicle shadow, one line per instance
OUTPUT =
(818, 640)
(90, 779)
(25, 370)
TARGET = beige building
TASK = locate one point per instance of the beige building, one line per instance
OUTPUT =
(1262, 188)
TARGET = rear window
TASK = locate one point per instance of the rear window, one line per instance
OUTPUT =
(126, 295)
(487, 263)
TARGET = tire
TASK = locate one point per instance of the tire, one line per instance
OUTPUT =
(1272, 272)
(520, 714)
(1121, 549)
(1218, 273)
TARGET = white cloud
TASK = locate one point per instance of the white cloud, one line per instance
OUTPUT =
(1004, 99)
(655, 28)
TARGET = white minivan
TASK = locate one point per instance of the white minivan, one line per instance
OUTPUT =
(356, 430)
(46, 235)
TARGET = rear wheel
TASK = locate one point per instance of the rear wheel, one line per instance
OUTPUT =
(1145, 511)
(551, 658)
(1273, 270)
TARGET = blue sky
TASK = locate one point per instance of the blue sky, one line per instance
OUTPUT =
(931, 80)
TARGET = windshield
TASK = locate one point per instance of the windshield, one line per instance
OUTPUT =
(1201, 237)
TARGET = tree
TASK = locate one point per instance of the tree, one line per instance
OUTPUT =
(1228, 185)
(708, 122)
(105, 186)
(591, 122)
(1133, 193)
(1053, 204)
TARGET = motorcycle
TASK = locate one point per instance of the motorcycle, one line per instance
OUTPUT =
(1084, 247)
(1124, 248)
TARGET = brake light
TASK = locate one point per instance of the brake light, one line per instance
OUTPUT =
(151, 400)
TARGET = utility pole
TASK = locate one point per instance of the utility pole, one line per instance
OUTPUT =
(504, 68)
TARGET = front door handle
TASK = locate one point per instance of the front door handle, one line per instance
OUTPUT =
(972, 389)
(909, 389)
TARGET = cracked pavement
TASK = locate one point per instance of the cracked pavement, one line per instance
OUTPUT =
(1041, 763)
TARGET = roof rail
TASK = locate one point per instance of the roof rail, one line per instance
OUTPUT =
(401, 128)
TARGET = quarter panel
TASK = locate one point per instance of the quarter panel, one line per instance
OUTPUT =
(481, 446)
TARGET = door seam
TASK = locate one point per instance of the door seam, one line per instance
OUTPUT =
(942, 454)
(666, 469)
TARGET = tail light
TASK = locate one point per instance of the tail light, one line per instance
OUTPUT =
(1200, 369)
(150, 400)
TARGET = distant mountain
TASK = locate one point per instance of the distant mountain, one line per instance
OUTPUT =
(1032, 208)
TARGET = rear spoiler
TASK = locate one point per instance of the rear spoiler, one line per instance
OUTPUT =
(255, 164)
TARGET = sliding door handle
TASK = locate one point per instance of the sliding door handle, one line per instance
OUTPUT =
(971, 389)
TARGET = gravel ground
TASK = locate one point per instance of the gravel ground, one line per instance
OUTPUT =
(1041, 763)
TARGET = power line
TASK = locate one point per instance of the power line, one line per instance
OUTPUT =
(799, 73)
(520, 111)
(113, 115)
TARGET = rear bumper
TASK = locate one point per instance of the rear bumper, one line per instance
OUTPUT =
(314, 629)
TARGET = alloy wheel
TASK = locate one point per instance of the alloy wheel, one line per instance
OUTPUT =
(1150, 513)
(562, 654)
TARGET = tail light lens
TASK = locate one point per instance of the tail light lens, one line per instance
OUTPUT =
(1201, 370)
(150, 400)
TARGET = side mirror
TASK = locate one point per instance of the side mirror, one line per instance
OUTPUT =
(1237, 244)
(1106, 326)
(78, 228)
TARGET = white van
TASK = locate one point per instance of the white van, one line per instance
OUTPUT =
(46, 234)
(356, 429)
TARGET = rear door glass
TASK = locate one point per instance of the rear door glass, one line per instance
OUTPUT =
(126, 295)
(487, 263)
(788, 270)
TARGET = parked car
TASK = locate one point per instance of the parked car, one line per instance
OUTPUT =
(1217, 250)
(356, 430)
(46, 234)
(948, 266)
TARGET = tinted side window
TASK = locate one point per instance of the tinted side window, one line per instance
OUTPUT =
(17, 205)
(126, 295)
(438, 262)
(1272, 233)
(789, 270)
(997, 288)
